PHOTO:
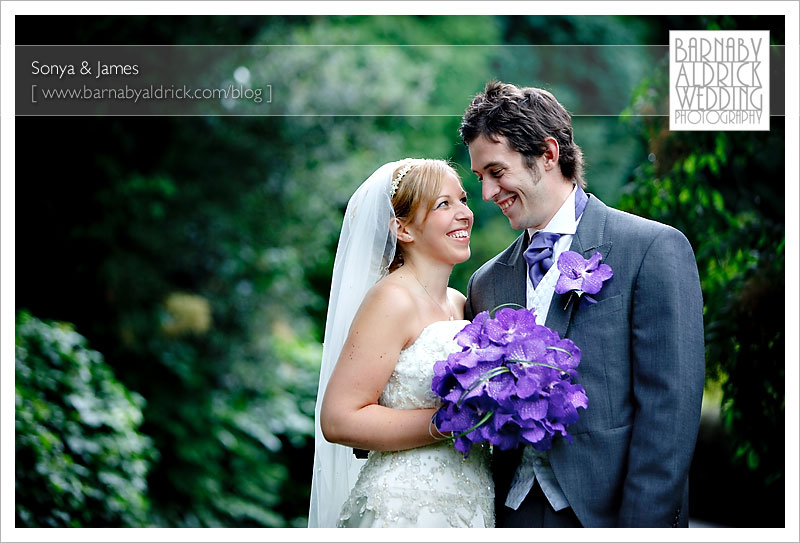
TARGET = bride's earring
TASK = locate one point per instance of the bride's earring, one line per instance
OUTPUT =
(400, 231)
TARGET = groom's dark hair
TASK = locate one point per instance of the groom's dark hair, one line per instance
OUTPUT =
(525, 117)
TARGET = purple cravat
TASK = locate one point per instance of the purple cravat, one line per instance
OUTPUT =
(539, 254)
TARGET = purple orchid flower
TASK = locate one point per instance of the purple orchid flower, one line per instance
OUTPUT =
(581, 275)
(509, 325)
(476, 344)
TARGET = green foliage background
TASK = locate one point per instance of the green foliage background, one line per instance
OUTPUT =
(195, 253)
(77, 449)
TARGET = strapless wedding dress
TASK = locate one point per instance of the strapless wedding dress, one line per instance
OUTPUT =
(427, 487)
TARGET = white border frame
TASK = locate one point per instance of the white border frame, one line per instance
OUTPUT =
(9, 9)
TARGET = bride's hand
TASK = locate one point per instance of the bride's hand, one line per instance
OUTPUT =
(437, 434)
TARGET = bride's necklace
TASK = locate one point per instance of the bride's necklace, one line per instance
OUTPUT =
(446, 311)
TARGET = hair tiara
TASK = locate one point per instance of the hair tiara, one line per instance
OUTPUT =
(398, 178)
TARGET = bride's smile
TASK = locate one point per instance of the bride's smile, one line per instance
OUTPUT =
(444, 232)
(460, 234)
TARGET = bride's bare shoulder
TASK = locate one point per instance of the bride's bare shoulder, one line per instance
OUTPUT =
(389, 311)
(456, 295)
(458, 299)
(390, 297)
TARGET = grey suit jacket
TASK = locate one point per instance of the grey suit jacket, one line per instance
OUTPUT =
(642, 364)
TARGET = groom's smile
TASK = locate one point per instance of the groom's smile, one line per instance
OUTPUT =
(506, 202)
(505, 179)
(527, 194)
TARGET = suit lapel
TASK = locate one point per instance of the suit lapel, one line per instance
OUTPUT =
(587, 240)
(511, 276)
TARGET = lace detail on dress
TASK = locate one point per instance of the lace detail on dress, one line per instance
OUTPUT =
(409, 387)
(431, 486)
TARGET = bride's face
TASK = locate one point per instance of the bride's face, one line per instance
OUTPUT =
(445, 233)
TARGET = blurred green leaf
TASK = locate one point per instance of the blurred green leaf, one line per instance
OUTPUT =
(80, 460)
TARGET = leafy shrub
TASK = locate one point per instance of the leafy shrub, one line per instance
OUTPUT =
(79, 458)
(725, 191)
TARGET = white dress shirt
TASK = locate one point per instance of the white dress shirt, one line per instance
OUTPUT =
(535, 464)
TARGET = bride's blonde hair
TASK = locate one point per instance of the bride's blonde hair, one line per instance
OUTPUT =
(418, 188)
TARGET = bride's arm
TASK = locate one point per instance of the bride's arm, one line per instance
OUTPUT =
(350, 412)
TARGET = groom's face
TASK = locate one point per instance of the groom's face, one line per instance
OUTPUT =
(507, 181)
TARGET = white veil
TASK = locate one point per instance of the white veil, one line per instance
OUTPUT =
(366, 248)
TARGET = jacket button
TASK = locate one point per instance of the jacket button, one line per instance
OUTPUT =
(677, 518)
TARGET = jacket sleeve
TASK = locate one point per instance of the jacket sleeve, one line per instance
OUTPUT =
(469, 312)
(668, 371)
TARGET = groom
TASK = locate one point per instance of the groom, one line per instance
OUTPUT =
(642, 361)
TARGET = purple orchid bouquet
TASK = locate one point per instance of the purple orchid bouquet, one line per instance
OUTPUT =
(510, 384)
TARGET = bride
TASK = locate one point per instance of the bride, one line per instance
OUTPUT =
(391, 316)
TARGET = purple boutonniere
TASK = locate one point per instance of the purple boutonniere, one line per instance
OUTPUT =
(581, 276)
